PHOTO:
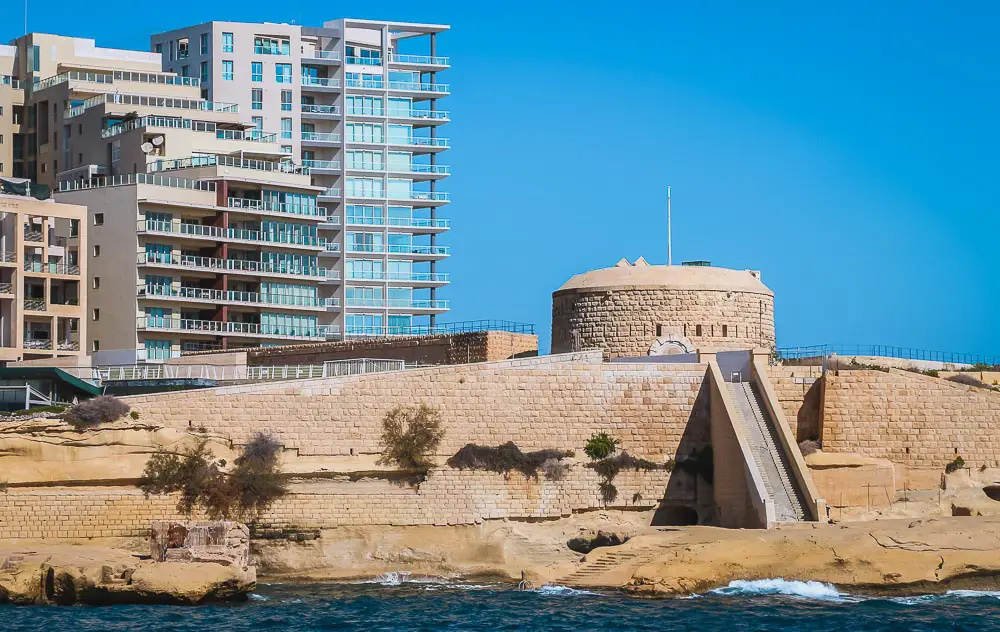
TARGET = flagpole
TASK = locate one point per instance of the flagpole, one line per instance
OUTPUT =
(670, 253)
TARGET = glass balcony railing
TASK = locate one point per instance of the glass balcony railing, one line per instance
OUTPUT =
(215, 327)
(364, 61)
(226, 234)
(369, 84)
(272, 50)
(420, 86)
(137, 178)
(311, 108)
(414, 168)
(424, 60)
(400, 249)
(407, 277)
(151, 101)
(251, 135)
(420, 222)
(228, 296)
(159, 78)
(392, 303)
(438, 115)
(419, 141)
(325, 165)
(321, 137)
(420, 196)
(295, 210)
(225, 161)
(212, 264)
(321, 54)
(330, 192)
(320, 82)
(51, 268)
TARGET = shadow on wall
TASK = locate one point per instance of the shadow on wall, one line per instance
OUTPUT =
(689, 497)
(808, 421)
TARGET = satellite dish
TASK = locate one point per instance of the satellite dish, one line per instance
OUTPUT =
(157, 140)
(146, 147)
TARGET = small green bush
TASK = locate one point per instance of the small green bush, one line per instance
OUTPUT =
(601, 445)
(505, 458)
(93, 412)
(955, 465)
(410, 435)
(134, 415)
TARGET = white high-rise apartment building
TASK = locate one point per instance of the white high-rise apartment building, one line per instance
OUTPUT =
(356, 103)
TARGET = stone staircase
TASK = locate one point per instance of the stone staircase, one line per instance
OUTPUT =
(771, 460)
(613, 559)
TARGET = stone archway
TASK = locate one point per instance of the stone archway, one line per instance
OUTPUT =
(671, 344)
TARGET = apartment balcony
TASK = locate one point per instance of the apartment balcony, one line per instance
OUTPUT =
(7, 256)
(413, 251)
(6, 290)
(419, 61)
(276, 209)
(322, 112)
(331, 304)
(330, 222)
(35, 304)
(327, 167)
(415, 279)
(420, 198)
(229, 297)
(317, 57)
(410, 224)
(420, 172)
(250, 135)
(143, 100)
(39, 267)
(174, 261)
(320, 139)
(420, 89)
(420, 118)
(331, 194)
(419, 144)
(68, 345)
(408, 305)
(229, 235)
(330, 248)
(34, 236)
(329, 276)
(40, 344)
(228, 328)
(320, 84)
(117, 77)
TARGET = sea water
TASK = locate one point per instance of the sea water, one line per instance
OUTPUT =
(399, 601)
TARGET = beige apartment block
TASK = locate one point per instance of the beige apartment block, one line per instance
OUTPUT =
(43, 296)
(356, 103)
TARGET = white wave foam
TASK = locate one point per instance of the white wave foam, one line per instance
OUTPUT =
(917, 600)
(256, 597)
(561, 591)
(779, 586)
(396, 578)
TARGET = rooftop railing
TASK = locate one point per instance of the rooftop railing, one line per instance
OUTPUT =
(230, 296)
(886, 351)
(146, 121)
(425, 60)
(152, 101)
(470, 326)
(225, 161)
(321, 82)
(312, 108)
(112, 77)
(251, 135)
(136, 178)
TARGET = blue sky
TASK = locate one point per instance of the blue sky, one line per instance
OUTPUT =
(849, 152)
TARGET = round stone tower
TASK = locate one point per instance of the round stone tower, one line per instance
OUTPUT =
(640, 309)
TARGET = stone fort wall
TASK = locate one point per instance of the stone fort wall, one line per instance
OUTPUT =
(910, 419)
(626, 321)
(448, 497)
(548, 402)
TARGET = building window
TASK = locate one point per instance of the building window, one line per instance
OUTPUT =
(725, 331)
(286, 100)
(98, 219)
(184, 70)
(227, 42)
(270, 46)
(182, 48)
(286, 149)
(97, 345)
(97, 251)
(258, 122)
(204, 72)
(256, 71)
(204, 43)
(97, 283)
(286, 128)
(283, 73)
(159, 49)
(227, 70)
(97, 313)
(256, 99)
(697, 330)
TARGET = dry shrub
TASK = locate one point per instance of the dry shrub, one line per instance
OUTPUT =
(967, 380)
(410, 435)
(99, 410)
(808, 447)
(506, 458)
